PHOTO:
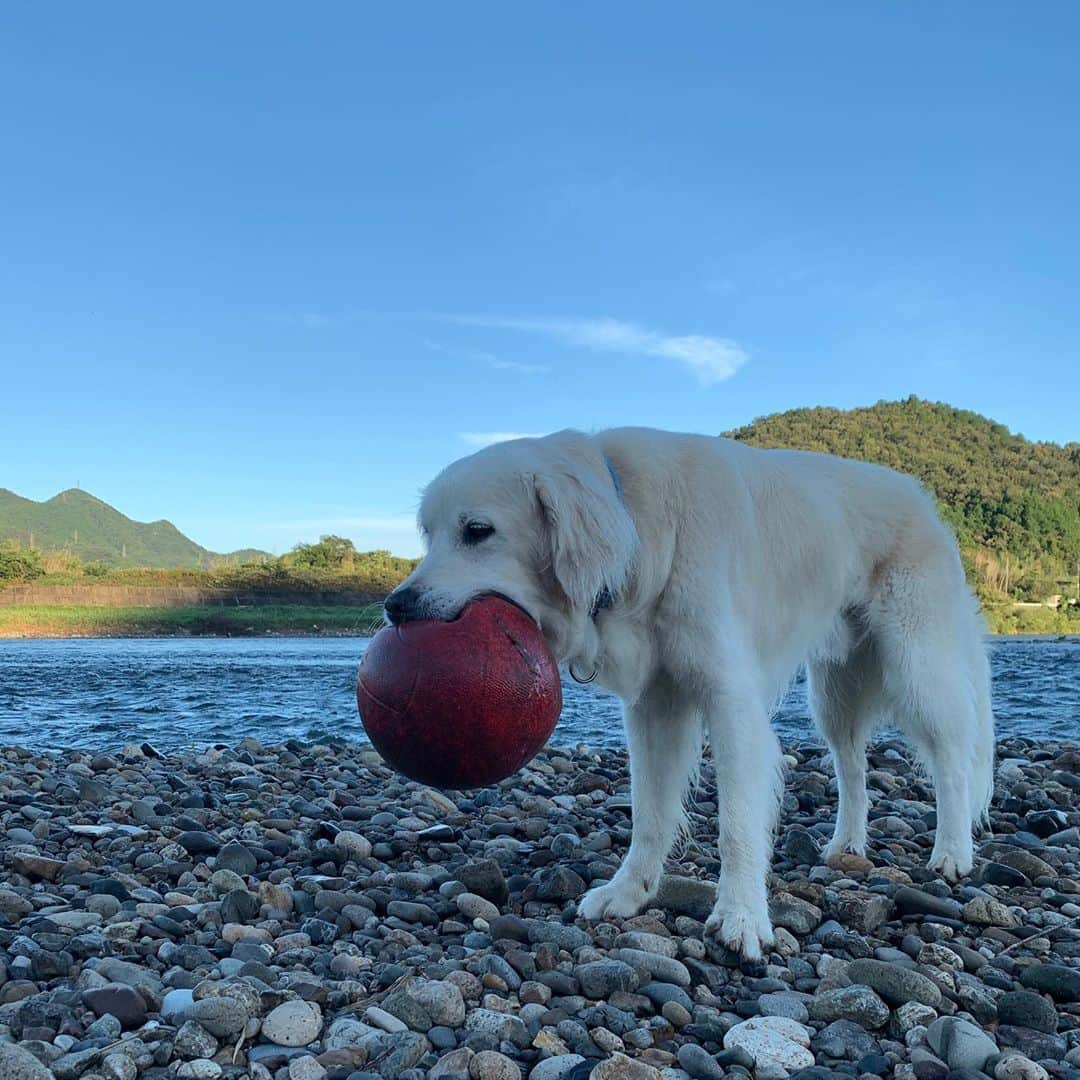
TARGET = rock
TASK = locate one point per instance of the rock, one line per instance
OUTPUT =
(1027, 1009)
(194, 1041)
(800, 847)
(1030, 865)
(910, 901)
(176, 1007)
(476, 907)
(912, 1016)
(1014, 1066)
(856, 1003)
(441, 1001)
(960, 1043)
(556, 1068)
(452, 1066)
(36, 866)
(620, 1067)
(1060, 982)
(237, 858)
(772, 1041)
(783, 1004)
(118, 1067)
(295, 1023)
(848, 862)
(490, 1065)
(559, 883)
(983, 911)
(223, 1017)
(119, 1000)
(306, 1068)
(698, 1063)
(794, 914)
(862, 911)
(663, 968)
(19, 1064)
(686, 896)
(896, 985)
(199, 1069)
(355, 846)
(198, 842)
(844, 1040)
(601, 978)
(485, 878)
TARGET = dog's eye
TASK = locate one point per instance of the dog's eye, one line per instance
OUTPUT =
(477, 532)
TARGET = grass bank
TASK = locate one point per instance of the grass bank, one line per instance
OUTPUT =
(1034, 620)
(64, 621)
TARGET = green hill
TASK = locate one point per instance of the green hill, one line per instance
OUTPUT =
(1014, 504)
(79, 524)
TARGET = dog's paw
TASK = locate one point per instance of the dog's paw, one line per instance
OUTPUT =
(844, 845)
(617, 900)
(741, 930)
(951, 865)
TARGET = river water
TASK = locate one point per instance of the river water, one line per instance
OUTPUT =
(101, 693)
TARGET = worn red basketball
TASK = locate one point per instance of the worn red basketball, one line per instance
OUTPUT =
(464, 703)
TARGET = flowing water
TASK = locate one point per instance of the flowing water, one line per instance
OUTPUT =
(193, 691)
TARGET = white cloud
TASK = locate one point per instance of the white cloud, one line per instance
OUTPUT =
(711, 359)
(515, 365)
(494, 362)
(489, 438)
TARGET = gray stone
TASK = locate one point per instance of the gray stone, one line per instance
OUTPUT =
(19, 1064)
(601, 978)
(896, 985)
(1060, 982)
(556, 1068)
(686, 896)
(121, 1001)
(223, 1017)
(960, 1043)
(664, 968)
(294, 1023)
(194, 1041)
(844, 1040)
(699, 1063)
(856, 1003)
(794, 914)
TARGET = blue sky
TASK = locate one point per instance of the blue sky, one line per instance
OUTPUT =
(266, 268)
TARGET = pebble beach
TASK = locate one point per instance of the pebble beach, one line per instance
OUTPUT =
(301, 912)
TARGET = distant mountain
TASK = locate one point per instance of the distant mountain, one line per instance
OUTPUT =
(77, 522)
(1015, 504)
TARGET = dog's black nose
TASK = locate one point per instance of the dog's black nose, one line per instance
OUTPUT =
(400, 606)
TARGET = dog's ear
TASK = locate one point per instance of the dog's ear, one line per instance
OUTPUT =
(591, 535)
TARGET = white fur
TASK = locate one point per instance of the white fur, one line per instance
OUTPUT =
(729, 567)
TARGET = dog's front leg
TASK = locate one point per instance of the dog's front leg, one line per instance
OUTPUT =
(748, 763)
(664, 735)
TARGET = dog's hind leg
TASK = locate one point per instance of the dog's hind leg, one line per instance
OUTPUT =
(845, 702)
(665, 737)
(935, 681)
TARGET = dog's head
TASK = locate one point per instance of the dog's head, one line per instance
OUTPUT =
(538, 521)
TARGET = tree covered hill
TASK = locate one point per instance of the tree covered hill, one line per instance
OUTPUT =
(79, 524)
(1015, 504)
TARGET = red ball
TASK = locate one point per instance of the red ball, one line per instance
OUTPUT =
(464, 703)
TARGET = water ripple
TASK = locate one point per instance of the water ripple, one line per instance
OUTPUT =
(179, 692)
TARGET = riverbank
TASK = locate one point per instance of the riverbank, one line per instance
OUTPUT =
(301, 912)
(75, 621)
(330, 620)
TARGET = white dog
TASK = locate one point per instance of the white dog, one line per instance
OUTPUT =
(692, 576)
